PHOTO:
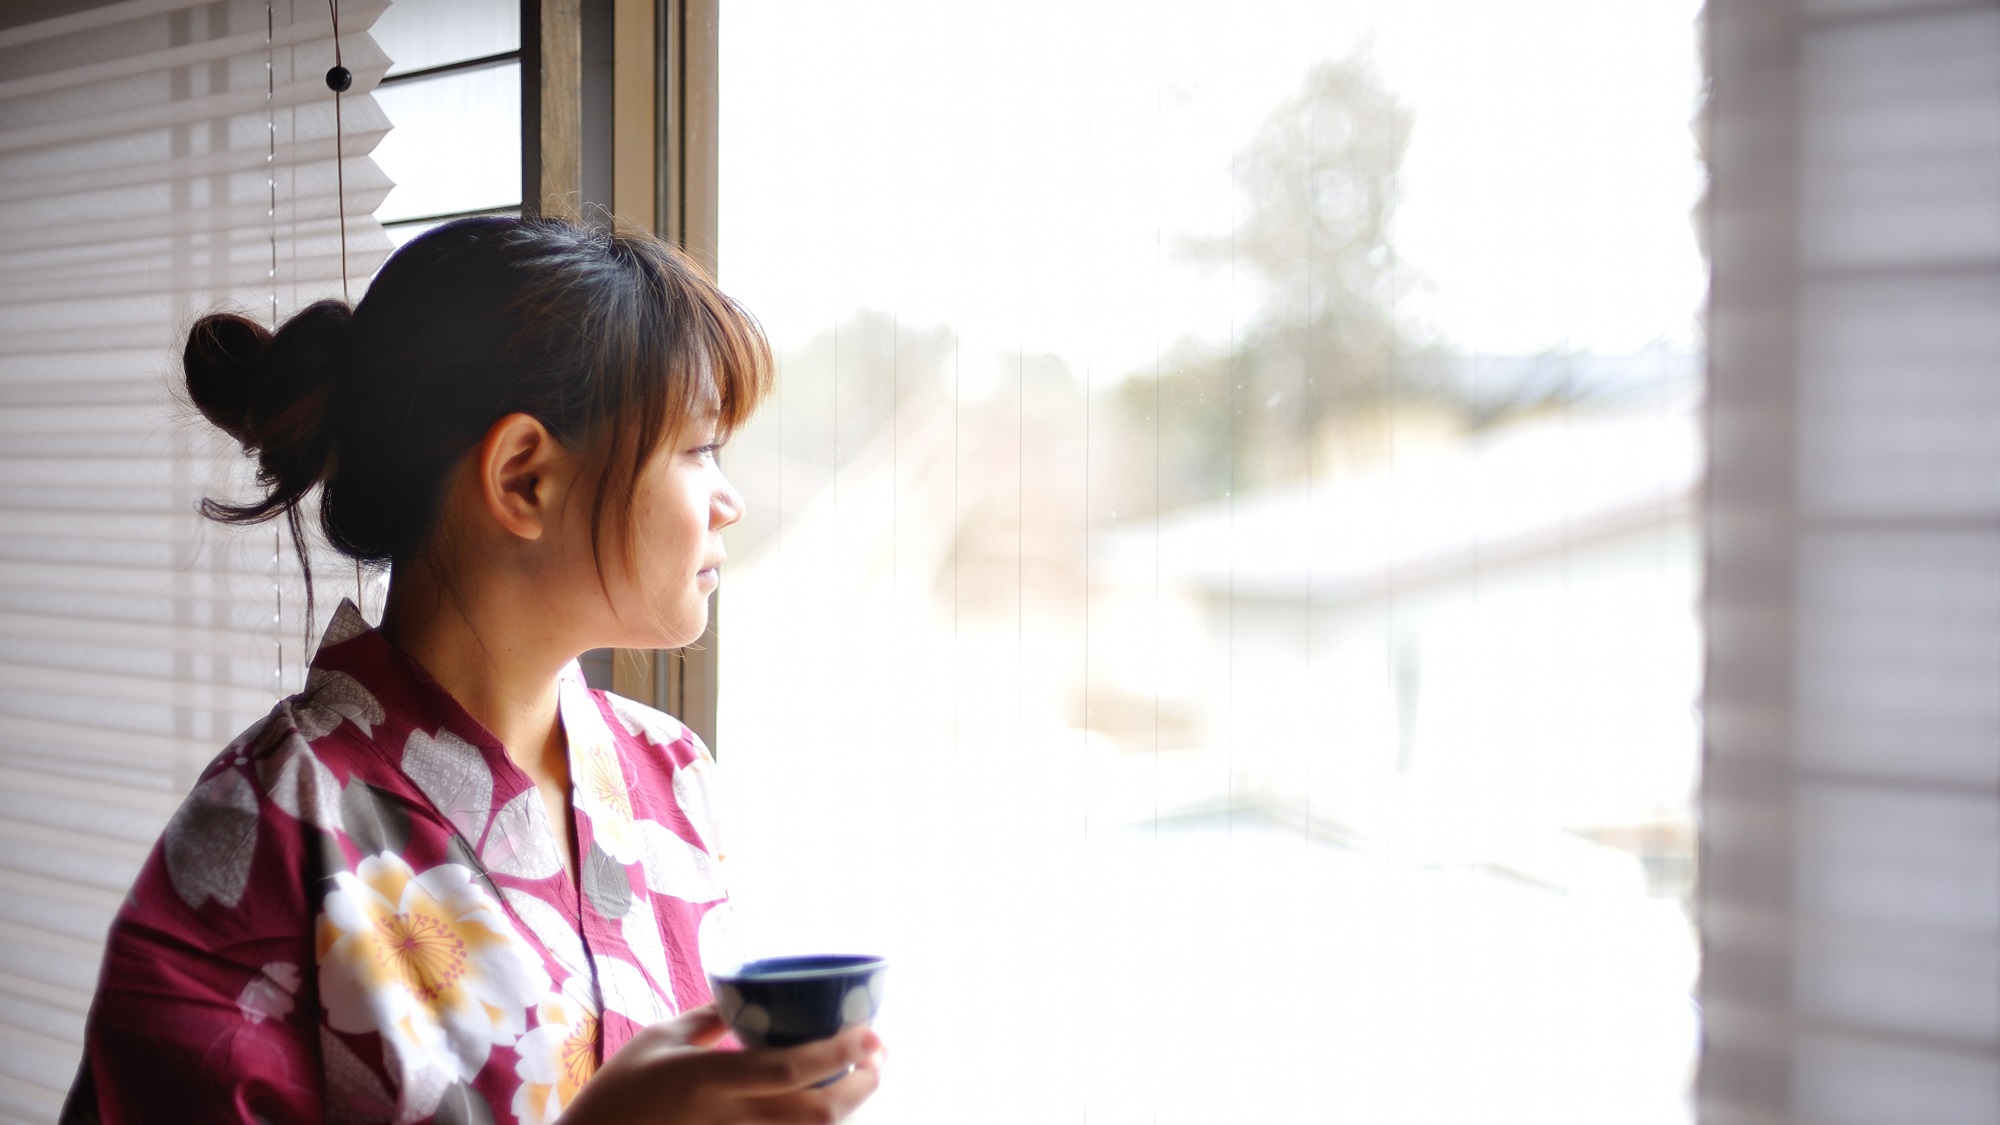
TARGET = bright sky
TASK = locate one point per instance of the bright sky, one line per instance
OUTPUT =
(1024, 171)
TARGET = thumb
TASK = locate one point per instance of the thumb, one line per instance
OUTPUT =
(696, 1027)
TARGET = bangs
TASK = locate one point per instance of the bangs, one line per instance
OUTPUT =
(674, 352)
(730, 372)
(705, 354)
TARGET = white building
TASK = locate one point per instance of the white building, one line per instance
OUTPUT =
(1482, 651)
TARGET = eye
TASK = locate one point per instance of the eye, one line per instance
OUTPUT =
(707, 452)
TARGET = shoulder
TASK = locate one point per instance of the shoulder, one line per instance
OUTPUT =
(238, 778)
(220, 847)
(330, 720)
(292, 760)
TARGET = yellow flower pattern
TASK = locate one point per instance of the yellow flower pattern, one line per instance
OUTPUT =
(599, 786)
(423, 951)
(430, 961)
(556, 1058)
(457, 971)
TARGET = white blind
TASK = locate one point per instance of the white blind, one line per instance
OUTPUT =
(1851, 904)
(158, 159)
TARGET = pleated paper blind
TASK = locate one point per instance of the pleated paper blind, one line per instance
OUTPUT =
(1851, 910)
(158, 159)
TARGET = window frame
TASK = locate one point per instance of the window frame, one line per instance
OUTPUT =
(660, 90)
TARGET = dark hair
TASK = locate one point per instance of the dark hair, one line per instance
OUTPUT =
(613, 339)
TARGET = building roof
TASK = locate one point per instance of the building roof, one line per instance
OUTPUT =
(1514, 493)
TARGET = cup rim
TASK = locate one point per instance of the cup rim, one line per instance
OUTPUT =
(860, 963)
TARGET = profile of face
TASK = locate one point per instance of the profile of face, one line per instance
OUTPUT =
(640, 581)
(680, 505)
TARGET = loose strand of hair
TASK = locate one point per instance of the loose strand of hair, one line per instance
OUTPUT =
(297, 525)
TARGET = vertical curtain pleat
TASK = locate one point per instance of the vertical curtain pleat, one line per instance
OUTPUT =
(151, 169)
(1851, 903)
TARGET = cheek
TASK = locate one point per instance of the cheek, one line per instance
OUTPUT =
(673, 524)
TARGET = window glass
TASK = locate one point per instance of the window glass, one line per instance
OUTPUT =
(419, 34)
(456, 142)
(401, 233)
(1217, 602)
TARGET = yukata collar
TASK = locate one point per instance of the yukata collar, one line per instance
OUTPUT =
(354, 654)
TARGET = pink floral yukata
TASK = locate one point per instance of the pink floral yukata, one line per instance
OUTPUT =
(361, 913)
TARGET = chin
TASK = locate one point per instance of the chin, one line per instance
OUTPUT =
(665, 629)
(689, 633)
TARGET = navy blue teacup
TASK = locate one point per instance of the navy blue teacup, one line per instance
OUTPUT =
(786, 1001)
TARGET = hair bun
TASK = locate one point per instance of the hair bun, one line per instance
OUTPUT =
(270, 393)
(221, 361)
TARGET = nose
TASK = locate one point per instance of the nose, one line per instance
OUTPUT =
(725, 506)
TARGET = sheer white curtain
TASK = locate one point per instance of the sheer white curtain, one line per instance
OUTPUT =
(158, 158)
(1851, 906)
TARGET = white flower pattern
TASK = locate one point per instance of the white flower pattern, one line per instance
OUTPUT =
(331, 697)
(597, 778)
(641, 931)
(211, 841)
(455, 971)
(299, 783)
(268, 996)
(454, 775)
(519, 842)
(676, 867)
(626, 991)
(429, 961)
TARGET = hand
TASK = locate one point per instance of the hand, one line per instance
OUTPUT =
(667, 1075)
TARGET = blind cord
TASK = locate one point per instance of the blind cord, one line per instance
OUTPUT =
(271, 277)
(340, 80)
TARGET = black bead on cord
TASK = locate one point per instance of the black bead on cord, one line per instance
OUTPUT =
(340, 80)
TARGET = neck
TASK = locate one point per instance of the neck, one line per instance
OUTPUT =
(496, 657)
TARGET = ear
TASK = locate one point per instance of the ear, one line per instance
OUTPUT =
(520, 468)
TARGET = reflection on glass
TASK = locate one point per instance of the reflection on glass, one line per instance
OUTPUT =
(420, 34)
(455, 145)
(1237, 673)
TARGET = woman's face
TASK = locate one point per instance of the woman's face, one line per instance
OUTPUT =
(680, 505)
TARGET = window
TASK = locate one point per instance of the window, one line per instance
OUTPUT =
(453, 92)
(1218, 600)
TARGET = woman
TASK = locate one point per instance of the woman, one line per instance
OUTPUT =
(447, 881)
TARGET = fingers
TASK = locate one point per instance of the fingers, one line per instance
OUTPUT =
(699, 1027)
(659, 1077)
(696, 1027)
(846, 1095)
(788, 1069)
(817, 1106)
